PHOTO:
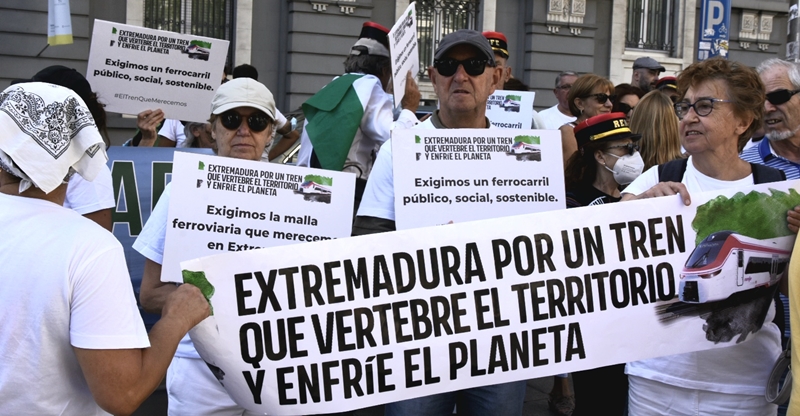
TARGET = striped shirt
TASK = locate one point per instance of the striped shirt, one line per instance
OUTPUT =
(763, 154)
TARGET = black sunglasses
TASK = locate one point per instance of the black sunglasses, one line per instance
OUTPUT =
(624, 108)
(448, 67)
(257, 122)
(780, 96)
(631, 148)
(602, 97)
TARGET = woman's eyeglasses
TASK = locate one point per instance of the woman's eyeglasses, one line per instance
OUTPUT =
(257, 122)
(631, 148)
(780, 96)
(702, 107)
(602, 97)
(448, 67)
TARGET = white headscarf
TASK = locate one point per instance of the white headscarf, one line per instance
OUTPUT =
(45, 132)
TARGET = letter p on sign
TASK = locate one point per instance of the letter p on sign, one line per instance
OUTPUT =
(715, 15)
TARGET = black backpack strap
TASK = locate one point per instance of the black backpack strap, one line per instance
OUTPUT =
(672, 171)
(766, 174)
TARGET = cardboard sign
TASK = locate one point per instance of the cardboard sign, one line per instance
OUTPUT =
(346, 324)
(511, 109)
(134, 69)
(222, 204)
(459, 175)
(404, 52)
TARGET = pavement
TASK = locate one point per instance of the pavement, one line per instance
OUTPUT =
(535, 401)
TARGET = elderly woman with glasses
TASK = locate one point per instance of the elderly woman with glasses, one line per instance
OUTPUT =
(242, 120)
(590, 95)
(719, 102)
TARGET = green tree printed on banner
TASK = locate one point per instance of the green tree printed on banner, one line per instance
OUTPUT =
(321, 180)
(528, 139)
(756, 214)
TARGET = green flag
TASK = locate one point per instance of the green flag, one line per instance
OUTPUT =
(334, 115)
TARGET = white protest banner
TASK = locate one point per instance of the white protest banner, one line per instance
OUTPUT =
(403, 50)
(510, 109)
(135, 68)
(444, 175)
(352, 323)
(227, 204)
(59, 23)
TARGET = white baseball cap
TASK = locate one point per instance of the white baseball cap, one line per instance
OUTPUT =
(243, 92)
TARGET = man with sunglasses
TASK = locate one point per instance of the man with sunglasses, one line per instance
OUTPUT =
(463, 75)
(242, 120)
(781, 119)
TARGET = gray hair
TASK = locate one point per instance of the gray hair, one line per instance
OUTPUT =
(564, 74)
(792, 69)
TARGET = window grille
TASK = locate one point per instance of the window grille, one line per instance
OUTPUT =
(650, 24)
(209, 18)
(436, 18)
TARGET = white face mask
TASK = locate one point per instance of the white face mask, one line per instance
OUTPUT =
(627, 168)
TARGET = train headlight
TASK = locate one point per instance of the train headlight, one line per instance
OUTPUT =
(710, 275)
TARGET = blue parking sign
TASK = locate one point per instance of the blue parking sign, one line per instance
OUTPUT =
(715, 19)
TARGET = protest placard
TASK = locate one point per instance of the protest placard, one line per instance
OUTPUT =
(510, 109)
(404, 51)
(134, 68)
(227, 204)
(444, 175)
(373, 319)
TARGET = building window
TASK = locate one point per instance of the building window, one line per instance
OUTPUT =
(436, 18)
(650, 24)
(209, 18)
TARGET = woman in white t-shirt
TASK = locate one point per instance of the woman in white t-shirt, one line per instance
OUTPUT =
(720, 101)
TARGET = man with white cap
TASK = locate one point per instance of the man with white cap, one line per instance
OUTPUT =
(463, 74)
(645, 73)
(349, 119)
(242, 120)
(72, 341)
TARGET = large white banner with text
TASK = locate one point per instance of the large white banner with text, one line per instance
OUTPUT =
(350, 323)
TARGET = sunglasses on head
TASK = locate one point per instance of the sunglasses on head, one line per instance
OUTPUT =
(448, 67)
(257, 121)
(625, 108)
(631, 148)
(602, 97)
(780, 96)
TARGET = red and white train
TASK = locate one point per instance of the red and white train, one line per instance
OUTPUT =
(725, 263)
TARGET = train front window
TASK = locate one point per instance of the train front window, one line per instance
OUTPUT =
(705, 253)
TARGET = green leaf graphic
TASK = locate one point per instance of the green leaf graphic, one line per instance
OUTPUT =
(417, 139)
(756, 214)
(201, 166)
(528, 139)
(320, 180)
(114, 30)
(201, 44)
